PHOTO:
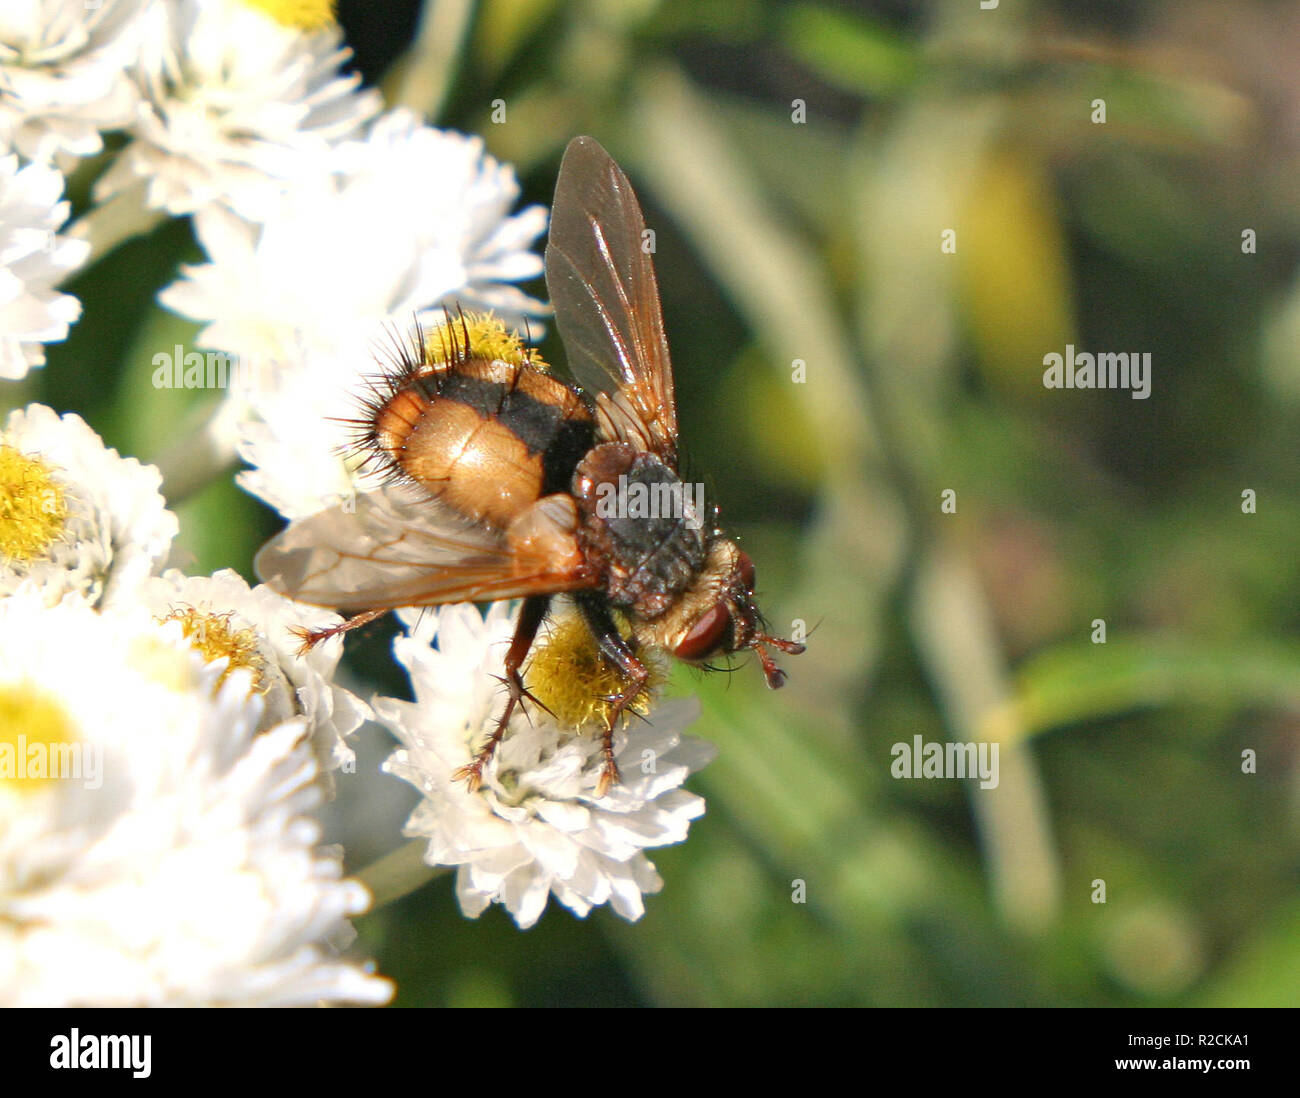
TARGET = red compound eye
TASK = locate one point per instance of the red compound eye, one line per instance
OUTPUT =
(706, 635)
(745, 567)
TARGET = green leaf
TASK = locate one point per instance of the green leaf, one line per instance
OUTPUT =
(1077, 682)
(1266, 973)
(851, 52)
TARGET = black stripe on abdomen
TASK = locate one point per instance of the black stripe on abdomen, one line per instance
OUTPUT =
(540, 425)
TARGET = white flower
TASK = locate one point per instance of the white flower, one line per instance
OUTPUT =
(295, 446)
(165, 856)
(416, 218)
(33, 260)
(235, 107)
(535, 827)
(74, 516)
(454, 202)
(222, 616)
(63, 74)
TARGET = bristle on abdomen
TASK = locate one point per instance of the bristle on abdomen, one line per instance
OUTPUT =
(485, 433)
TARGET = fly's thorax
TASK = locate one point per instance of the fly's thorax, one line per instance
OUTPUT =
(484, 436)
(642, 525)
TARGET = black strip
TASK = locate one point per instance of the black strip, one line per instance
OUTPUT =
(540, 425)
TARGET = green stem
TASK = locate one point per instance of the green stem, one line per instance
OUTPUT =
(399, 873)
(111, 223)
(957, 640)
(202, 454)
(777, 280)
(425, 74)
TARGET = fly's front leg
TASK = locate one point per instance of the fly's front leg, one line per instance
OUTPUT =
(530, 620)
(618, 653)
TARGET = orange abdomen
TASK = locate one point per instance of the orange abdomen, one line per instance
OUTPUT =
(486, 437)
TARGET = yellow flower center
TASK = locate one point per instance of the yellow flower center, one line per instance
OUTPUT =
(32, 508)
(214, 637)
(488, 338)
(38, 742)
(568, 675)
(306, 15)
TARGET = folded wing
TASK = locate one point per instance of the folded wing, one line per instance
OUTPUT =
(392, 549)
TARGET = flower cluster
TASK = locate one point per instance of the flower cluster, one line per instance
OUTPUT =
(167, 740)
(233, 108)
(537, 826)
(157, 846)
(162, 748)
(34, 258)
(164, 743)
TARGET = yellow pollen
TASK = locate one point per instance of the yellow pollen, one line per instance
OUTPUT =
(160, 663)
(37, 739)
(488, 338)
(214, 637)
(308, 15)
(568, 675)
(32, 508)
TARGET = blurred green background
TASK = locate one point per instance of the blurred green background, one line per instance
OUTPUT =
(819, 240)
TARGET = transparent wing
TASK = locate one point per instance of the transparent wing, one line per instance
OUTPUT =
(602, 284)
(391, 550)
